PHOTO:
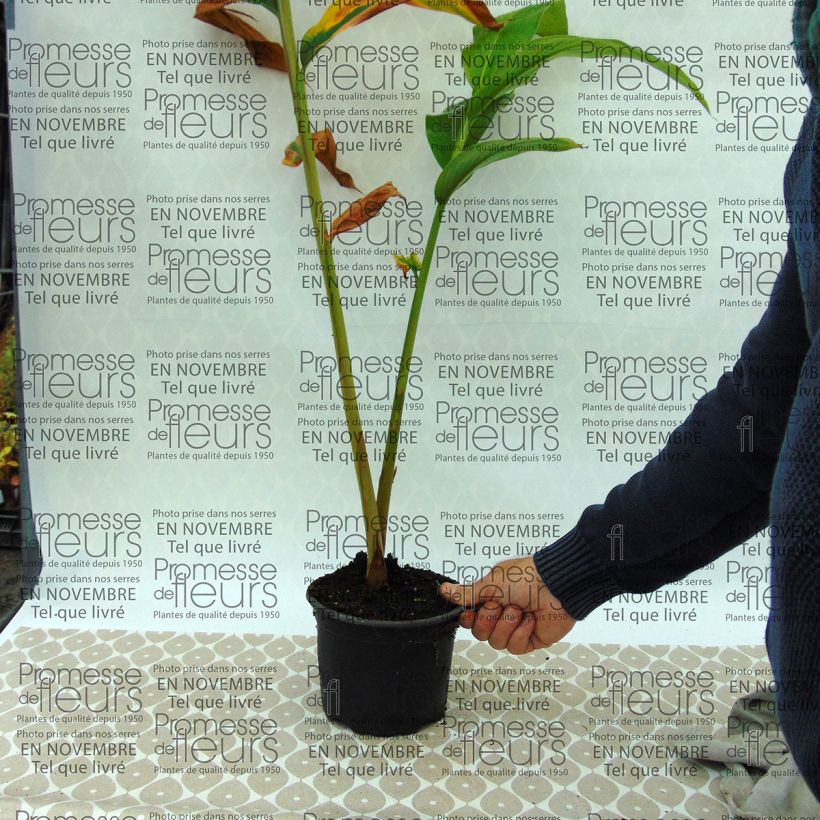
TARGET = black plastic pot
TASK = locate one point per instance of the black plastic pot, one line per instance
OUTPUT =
(384, 678)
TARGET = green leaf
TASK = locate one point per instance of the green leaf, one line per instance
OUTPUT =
(485, 65)
(481, 118)
(462, 124)
(543, 49)
(462, 166)
(498, 62)
(439, 130)
(440, 134)
(484, 61)
(553, 20)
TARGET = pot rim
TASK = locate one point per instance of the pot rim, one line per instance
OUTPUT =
(433, 620)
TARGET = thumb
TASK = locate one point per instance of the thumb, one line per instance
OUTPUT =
(471, 595)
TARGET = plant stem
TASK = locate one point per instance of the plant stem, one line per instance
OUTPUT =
(374, 531)
(388, 470)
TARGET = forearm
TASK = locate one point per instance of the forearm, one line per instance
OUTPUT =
(707, 490)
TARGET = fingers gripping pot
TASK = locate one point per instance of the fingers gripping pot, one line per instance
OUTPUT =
(384, 678)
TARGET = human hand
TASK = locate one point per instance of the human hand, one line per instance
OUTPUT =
(511, 608)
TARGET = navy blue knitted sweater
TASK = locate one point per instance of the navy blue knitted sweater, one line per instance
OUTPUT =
(756, 464)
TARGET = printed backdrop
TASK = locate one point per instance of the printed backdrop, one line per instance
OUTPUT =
(190, 469)
(189, 461)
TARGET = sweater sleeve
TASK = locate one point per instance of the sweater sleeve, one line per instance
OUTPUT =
(708, 489)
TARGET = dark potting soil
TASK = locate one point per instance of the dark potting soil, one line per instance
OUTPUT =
(410, 594)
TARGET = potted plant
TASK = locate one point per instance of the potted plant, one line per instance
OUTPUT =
(9, 458)
(385, 637)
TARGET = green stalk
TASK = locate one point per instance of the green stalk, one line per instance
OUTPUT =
(388, 470)
(376, 570)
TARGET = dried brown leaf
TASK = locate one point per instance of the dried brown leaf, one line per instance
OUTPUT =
(265, 52)
(324, 147)
(363, 209)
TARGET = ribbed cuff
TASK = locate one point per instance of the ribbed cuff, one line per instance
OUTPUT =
(574, 575)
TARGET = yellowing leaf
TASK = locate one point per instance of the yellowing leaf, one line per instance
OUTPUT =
(266, 53)
(363, 209)
(473, 10)
(293, 154)
(324, 147)
(343, 15)
(408, 263)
